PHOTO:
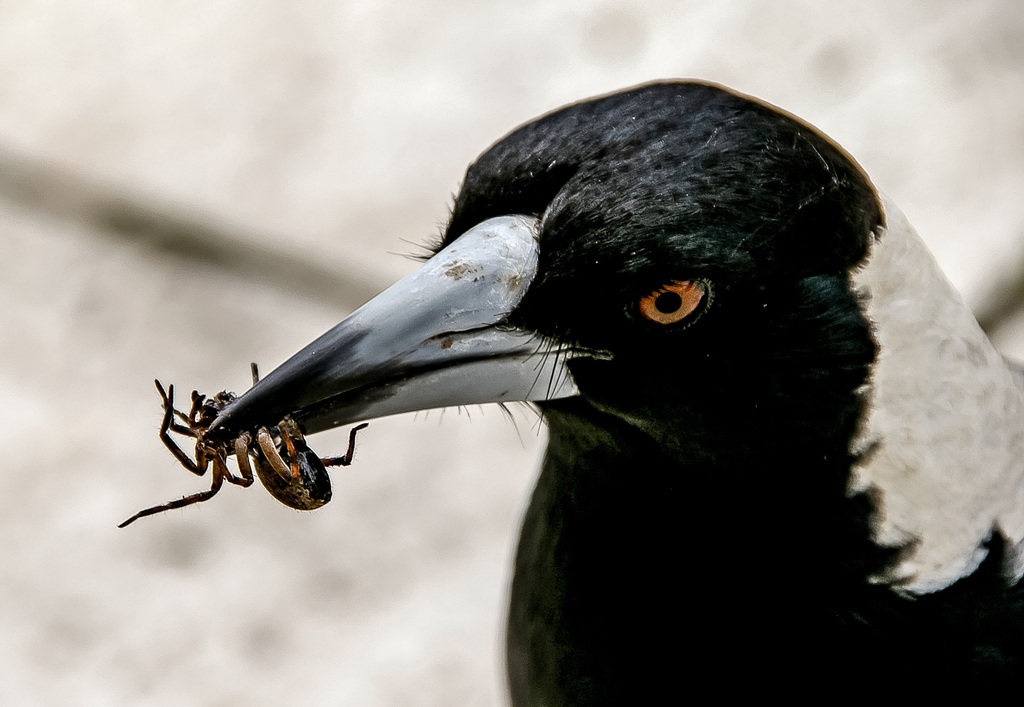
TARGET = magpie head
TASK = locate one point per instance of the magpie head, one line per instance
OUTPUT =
(664, 236)
(754, 213)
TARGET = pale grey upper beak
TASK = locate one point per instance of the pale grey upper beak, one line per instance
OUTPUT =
(437, 338)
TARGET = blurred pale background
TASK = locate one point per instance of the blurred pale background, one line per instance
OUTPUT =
(186, 187)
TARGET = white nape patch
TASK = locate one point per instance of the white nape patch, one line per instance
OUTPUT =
(945, 420)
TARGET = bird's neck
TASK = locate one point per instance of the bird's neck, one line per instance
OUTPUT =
(775, 507)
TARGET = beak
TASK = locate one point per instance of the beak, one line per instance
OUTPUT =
(437, 338)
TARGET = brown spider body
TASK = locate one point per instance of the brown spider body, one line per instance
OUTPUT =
(304, 483)
(301, 482)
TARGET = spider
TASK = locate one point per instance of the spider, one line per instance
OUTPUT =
(301, 482)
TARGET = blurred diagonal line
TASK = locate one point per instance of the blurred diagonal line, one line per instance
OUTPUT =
(178, 231)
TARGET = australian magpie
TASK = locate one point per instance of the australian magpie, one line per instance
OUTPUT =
(781, 451)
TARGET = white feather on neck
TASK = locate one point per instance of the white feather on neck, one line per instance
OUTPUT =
(943, 437)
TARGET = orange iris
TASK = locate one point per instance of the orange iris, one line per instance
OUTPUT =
(673, 302)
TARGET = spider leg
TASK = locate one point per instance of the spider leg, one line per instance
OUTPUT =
(242, 443)
(266, 443)
(220, 466)
(197, 404)
(293, 454)
(197, 467)
(290, 434)
(168, 400)
(181, 429)
(180, 503)
(203, 455)
(346, 458)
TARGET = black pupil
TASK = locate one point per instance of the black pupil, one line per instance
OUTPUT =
(668, 302)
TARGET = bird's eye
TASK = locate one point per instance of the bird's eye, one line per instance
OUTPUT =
(675, 301)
